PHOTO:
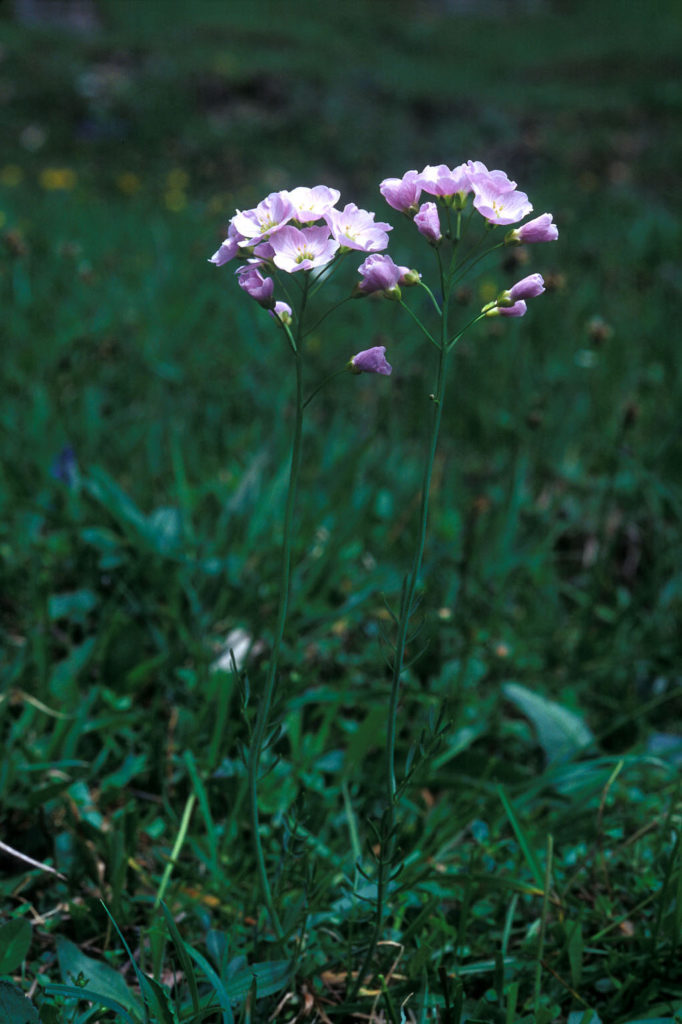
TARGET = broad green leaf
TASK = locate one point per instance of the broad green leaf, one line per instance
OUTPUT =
(94, 977)
(15, 939)
(561, 733)
(270, 978)
(15, 1007)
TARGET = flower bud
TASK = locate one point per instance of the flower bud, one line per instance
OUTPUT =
(371, 360)
(282, 312)
(540, 229)
(428, 223)
(258, 287)
(527, 288)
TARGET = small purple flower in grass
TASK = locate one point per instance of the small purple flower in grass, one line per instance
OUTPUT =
(540, 229)
(64, 467)
(402, 193)
(258, 287)
(428, 223)
(371, 360)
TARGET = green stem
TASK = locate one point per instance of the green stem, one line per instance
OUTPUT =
(407, 602)
(322, 383)
(406, 609)
(324, 316)
(265, 703)
(431, 296)
(474, 320)
(326, 273)
(419, 324)
(470, 262)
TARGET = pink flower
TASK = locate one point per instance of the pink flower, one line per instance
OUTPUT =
(371, 360)
(380, 275)
(428, 222)
(271, 213)
(480, 175)
(499, 205)
(402, 193)
(312, 203)
(540, 229)
(526, 288)
(258, 287)
(355, 229)
(440, 180)
(228, 249)
(281, 312)
(302, 248)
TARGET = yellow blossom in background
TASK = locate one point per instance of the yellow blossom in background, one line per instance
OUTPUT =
(487, 290)
(217, 204)
(11, 175)
(128, 183)
(177, 180)
(53, 179)
(174, 197)
(175, 200)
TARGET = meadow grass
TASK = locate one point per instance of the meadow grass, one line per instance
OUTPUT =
(539, 837)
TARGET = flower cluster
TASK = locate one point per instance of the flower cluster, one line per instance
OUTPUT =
(305, 230)
(495, 197)
(284, 232)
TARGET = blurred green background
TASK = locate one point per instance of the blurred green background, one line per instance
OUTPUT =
(131, 132)
(143, 425)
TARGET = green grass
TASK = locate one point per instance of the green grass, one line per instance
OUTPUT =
(548, 816)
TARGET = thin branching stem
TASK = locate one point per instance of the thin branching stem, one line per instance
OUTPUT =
(419, 324)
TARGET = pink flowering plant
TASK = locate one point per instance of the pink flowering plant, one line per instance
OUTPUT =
(286, 248)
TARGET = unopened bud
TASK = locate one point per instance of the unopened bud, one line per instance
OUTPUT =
(412, 277)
